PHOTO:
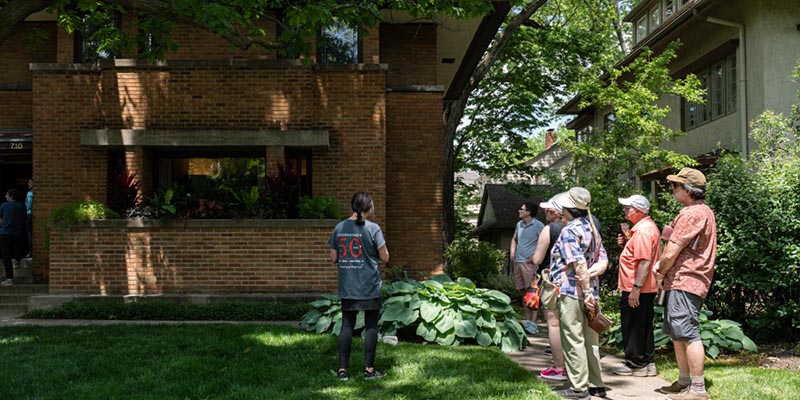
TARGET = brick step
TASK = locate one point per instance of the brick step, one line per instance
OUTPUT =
(25, 289)
(14, 308)
(14, 297)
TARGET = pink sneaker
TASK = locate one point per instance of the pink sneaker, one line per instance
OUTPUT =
(554, 374)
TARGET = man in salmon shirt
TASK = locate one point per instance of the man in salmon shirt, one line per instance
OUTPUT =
(640, 252)
(687, 268)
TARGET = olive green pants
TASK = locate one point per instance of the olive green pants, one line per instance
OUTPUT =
(580, 342)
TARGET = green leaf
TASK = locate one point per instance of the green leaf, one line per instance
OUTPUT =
(430, 311)
(483, 338)
(427, 331)
(511, 342)
(446, 338)
(446, 323)
(320, 303)
(713, 351)
(499, 296)
(466, 328)
(468, 308)
(359, 321)
(433, 284)
(441, 278)
(401, 287)
(749, 345)
(466, 282)
(323, 323)
(396, 312)
(310, 318)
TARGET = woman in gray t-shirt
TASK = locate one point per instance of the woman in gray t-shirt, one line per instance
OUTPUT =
(357, 248)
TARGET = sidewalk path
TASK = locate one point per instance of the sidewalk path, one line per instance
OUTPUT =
(618, 387)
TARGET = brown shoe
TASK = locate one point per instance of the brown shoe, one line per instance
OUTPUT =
(689, 394)
(675, 387)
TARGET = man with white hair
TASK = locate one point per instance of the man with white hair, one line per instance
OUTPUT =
(640, 252)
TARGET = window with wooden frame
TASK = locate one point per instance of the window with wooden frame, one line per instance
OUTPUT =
(719, 82)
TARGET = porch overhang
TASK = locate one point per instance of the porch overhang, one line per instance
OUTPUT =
(120, 138)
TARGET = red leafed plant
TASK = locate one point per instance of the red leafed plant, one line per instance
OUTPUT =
(123, 192)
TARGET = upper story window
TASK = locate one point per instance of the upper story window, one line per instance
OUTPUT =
(93, 39)
(338, 43)
(659, 12)
(719, 81)
(582, 134)
(608, 121)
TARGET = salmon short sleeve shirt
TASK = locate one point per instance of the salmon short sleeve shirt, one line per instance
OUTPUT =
(695, 230)
(644, 245)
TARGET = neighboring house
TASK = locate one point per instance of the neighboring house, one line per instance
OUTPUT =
(365, 118)
(743, 51)
(499, 213)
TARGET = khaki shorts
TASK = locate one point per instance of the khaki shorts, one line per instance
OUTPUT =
(523, 275)
(548, 295)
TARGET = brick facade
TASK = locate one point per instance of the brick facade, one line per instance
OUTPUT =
(385, 143)
(414, 172)
(195, 257)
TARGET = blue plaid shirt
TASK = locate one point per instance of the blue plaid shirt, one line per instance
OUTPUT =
(574, 244)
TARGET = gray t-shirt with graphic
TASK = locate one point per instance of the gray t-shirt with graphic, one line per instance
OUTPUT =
(358, 260)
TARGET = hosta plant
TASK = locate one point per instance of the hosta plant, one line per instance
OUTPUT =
(716, 334)
(437, 310)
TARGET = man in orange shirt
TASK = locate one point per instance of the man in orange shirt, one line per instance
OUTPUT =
(687, 268)
(640, 252)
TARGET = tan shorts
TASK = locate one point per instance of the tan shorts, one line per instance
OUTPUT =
(523, 275)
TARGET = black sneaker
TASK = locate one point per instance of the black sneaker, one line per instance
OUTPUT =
(571, 394)
(343, 376)
(375, 374)
(597, 391)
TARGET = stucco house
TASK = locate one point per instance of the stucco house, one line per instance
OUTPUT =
(743, 52)
(368, 117)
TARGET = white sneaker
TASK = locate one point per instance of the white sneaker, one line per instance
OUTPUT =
(7, 282)
(15, 263)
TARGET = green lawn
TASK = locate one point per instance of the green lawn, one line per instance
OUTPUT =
(739, 379)
(241, 362)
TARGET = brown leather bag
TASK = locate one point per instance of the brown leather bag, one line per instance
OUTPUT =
(597, 321)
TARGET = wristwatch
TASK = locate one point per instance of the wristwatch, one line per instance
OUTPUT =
(637, 286)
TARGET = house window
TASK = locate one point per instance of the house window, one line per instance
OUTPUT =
(641, 29)
(583, 134)
(210, 177)
(669, 8)
(299, 162)
(719, 82)
(338, 43)
(655, 17)
(89, 40)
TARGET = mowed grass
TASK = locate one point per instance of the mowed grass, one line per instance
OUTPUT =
(739, 378)
(241, 362)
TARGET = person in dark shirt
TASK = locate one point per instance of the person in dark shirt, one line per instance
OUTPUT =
(12, 233)
(357, 249)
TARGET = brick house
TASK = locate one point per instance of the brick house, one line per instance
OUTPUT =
(373, 123)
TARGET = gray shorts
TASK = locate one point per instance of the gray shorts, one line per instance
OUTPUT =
(682, 316)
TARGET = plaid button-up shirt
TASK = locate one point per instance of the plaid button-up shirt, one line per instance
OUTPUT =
(575, 244)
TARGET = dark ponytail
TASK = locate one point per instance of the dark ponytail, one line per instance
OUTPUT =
(361, 202)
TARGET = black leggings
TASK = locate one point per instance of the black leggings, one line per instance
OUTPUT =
(11, 247)
(370, 337)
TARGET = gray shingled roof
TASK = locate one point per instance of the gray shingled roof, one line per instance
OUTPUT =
(505, 204)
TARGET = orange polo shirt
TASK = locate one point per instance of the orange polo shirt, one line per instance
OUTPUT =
(643, 245)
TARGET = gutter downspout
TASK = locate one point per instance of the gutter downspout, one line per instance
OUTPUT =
(742, 67)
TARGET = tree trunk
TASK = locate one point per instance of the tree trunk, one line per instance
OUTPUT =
(454, 111)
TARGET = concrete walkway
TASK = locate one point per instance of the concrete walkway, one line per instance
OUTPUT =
(618, 387)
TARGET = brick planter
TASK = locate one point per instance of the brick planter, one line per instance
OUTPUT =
(135, 257)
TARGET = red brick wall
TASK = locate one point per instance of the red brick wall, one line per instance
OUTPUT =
(63, 104)
(208, 95)
(15, 56)
(410, 51)
(414, 180)
(353, 106)
(15, 109)
(202, 259)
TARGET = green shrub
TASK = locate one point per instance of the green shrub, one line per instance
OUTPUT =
(503, 283)
(319, 207)
(437, 310)
(716, 334)
(171, 311)
(81, 211)
(469, 258)
(757, 208)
